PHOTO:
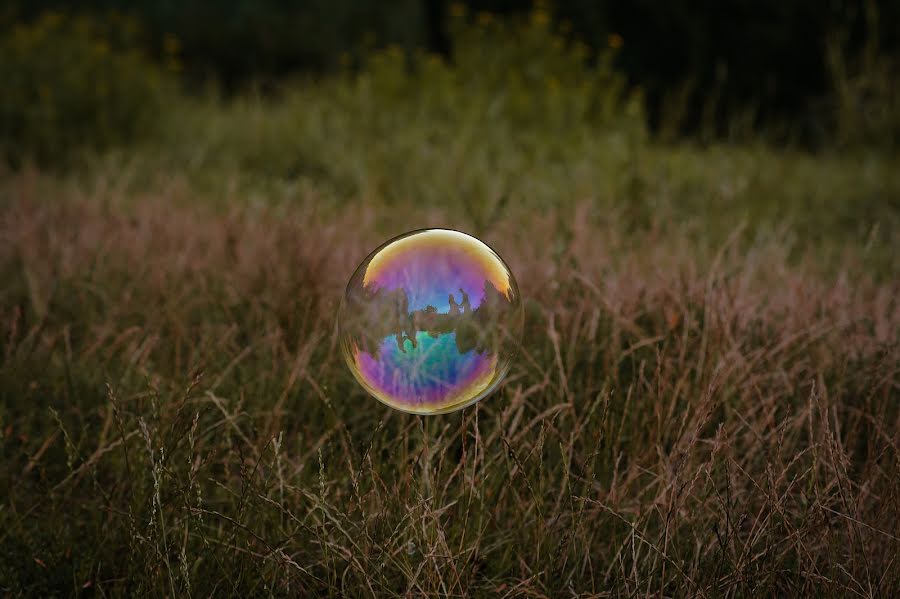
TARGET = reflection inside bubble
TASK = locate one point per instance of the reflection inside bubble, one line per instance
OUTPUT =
(430, 321)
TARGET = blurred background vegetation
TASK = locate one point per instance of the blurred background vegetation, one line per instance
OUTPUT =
(780, 114)
(805, 73)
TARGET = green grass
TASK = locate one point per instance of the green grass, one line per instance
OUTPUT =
(706, 401)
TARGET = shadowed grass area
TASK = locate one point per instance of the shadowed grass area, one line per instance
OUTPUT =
(687, 417)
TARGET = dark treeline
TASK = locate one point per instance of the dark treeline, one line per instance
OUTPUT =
(768, 57)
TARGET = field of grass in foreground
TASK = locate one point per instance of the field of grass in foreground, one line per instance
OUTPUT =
(706, 402)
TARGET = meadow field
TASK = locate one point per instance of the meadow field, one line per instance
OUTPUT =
(705, 403)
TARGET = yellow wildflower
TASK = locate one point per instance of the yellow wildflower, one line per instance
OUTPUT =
(540, 17)
(457, 9)
(171, 45)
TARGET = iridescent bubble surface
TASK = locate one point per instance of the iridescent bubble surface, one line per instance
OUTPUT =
(431, 321)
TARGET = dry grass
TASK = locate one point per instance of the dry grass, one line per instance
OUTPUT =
(682, 421)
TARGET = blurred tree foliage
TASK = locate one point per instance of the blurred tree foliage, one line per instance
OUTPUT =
(703, 65)
(72, 83)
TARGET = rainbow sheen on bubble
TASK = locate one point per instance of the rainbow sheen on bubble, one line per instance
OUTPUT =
(431, 321)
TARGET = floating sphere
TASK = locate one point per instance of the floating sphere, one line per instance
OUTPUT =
(431, 321)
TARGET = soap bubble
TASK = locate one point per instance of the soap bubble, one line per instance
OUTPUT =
(431, 321)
